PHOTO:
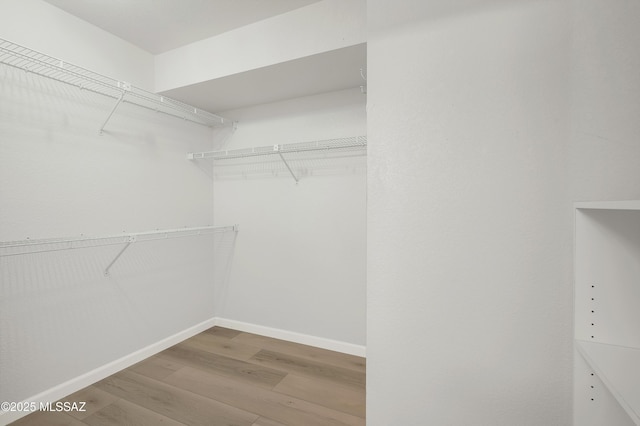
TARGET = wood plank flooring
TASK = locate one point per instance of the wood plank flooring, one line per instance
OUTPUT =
(223, 377)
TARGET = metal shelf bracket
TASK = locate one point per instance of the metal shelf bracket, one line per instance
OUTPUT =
(118, 102)
(132, 239)
(277, 149)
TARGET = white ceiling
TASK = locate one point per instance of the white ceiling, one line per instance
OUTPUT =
(160, 25)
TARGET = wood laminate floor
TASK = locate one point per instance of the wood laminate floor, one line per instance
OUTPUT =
(223, 377)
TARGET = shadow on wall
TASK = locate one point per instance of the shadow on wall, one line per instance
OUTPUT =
(27, 272)
(621, 225)
(58, 308)
(223, 251)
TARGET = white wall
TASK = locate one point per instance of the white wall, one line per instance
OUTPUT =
(606, 100)
(59, 316)
(45, 28)
(469, 221)
(299, 262)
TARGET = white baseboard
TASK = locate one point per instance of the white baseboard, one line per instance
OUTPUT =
(292, 336)
(84, 380)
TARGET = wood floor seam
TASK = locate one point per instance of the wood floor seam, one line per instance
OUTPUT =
(90, 420)
(321, 405)
(192, 395)
(334, 398)
(225, 377)
(309, 368)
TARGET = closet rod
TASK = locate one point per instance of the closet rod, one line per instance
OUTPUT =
(32, 61)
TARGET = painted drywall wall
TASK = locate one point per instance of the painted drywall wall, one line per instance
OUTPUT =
(605, 100)
(60, 317)
(604, 144)
(299, 263)
(320, 27)
(45, 28)
(469, 225)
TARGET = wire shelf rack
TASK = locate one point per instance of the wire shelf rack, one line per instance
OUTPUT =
(28, 246)
(287, 154)
(38, 63)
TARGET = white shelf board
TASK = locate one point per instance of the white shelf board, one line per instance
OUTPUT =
(619, 369)
(609, 205)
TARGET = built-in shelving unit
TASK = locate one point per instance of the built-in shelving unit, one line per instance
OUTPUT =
(31, 61)
(607, 313)
(24, 247)
(351, 146)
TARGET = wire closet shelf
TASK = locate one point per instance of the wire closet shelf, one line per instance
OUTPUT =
(28, 60)
(28, 246)
(350, 146)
